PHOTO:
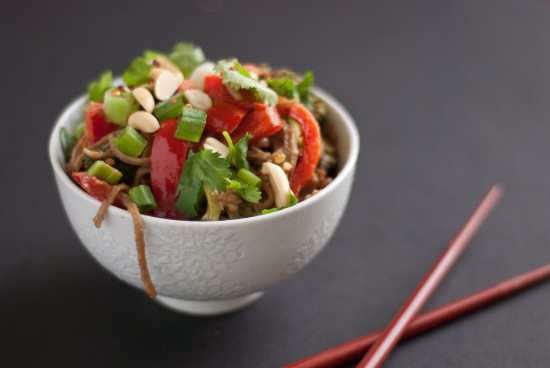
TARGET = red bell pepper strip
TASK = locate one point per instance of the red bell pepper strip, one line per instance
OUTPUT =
(167, 159)
(260, 123)
(214, 87)
(224, 116)
(311, 151)
(96, 125)
(93, 186)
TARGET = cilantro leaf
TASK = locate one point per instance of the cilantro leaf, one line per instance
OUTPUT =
(138, 72)
(304, 88)
(239, 153)
(202, 169)
(97, 88)
(236, 79)
(187, 57)
(249, 193)
(284, 86)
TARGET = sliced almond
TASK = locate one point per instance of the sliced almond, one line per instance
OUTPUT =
(145, 98)
(166, 84)
(216, 146)
(279, 183)
(200, 72)
(198, 99)
(144, 121)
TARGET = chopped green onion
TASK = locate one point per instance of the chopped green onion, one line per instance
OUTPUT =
(104, 172)
(191, 124)
(97, 88)
(143, 198)
(79, 130)
(130, 142)
(169, 109)
(187, 57)
(118, 105)
(248, 177)
(67, 143)
(137, 73)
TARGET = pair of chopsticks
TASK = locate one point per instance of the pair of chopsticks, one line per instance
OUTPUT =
(406, 324)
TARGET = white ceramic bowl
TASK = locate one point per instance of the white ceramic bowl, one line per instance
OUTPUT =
(208, 268)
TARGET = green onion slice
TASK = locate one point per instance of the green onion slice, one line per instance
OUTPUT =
(143, 198)
(104, 172)
(118, 105)
(169, 109)
(79, 130)
(191, 124)
(130, 142)
(248, 177)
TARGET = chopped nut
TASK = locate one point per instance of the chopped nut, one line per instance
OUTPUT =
(287, 166)
(109, 161)
(278, 157)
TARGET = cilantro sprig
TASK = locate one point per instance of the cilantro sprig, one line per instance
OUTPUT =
(287, 87)
(236, 77)
(202, 169)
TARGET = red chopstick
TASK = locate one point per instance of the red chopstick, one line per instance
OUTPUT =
(354, 349)
(391, 334)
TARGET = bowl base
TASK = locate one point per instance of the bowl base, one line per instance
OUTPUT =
(208, 307)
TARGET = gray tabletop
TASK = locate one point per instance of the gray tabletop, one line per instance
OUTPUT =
(449, 97)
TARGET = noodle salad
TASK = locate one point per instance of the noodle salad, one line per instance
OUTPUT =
(188, 139)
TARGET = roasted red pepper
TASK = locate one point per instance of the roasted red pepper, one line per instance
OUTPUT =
(93, 186)
(214, 87)
(311, 152)
(224, 116)
(167, 159)
(96, 125)
(260, 123)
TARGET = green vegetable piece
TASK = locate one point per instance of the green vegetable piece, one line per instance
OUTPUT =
(97, 88)
(249, 178)
(304, 88)
(191, 124)
(237, 80)
(119, 105)
(293, 200)
(67, 143)
(187, 57)
(151, 55)
(143, 198)
(284, 86)
(104, 172)
(249, 193)
(130, 142)
(202, 169)
(238, 151)
(138, 72)
(270, 210)
(170, 108)
(79, 130)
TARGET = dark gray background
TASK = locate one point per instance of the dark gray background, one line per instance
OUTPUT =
(449, 96)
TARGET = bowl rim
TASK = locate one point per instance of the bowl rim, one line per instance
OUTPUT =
(54, 147)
